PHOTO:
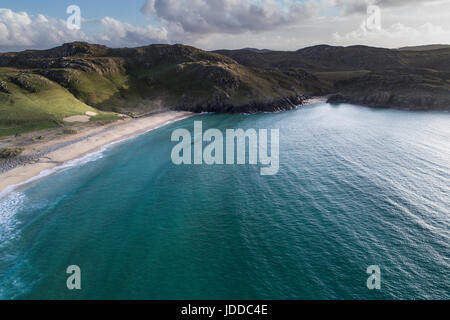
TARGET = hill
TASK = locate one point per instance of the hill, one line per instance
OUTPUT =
(38, 88)
(137, 81)
(379, 77)
(426, 47)
(329, 58)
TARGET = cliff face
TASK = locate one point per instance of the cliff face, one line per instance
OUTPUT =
(272, 105)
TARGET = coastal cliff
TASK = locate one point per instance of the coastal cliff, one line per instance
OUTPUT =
(411, 78)
(147, 79)
(273, 105)
(413, 89)
(39, 88)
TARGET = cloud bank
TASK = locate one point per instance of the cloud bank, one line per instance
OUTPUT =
(230, 24)
(226, 16)
(19, 30)
(360, 6)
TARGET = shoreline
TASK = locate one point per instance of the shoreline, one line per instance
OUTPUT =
(84, 144)
(315, 99)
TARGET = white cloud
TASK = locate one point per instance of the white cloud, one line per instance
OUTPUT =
(120, 34)
(292, 24)
(20, 30)
(227, 16)
(424, 22)
(217, 24)
(358, 6)
(394, 36)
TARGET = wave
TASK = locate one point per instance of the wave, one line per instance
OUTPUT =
(9, 206)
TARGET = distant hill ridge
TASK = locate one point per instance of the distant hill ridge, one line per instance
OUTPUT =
(426, 47)
(331, 58)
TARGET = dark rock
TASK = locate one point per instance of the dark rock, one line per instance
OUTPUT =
(337, 98)
(4, 87)
(222, 77)
(62, 77)
(275, 105)
(9, 153)
(23, 81)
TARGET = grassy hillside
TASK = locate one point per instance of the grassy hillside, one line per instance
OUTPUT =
(29, 101)
(157, 77)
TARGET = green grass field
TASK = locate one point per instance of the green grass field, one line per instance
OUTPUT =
(43, 106)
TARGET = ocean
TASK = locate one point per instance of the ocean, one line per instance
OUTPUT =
(356, 187)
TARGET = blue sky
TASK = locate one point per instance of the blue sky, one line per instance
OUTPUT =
(228, 24)
(128, 11)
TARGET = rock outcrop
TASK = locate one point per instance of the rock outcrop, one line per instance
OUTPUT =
(23, 80)
(273, 105)
(4, 87)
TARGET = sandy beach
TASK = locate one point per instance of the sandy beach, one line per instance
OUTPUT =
(315, 100)
(67, 148)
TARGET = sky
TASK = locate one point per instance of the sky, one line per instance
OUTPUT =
(226, 24)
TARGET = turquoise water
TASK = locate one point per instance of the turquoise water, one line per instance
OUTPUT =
(356, 187)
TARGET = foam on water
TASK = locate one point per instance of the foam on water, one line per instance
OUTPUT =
(9, 206)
